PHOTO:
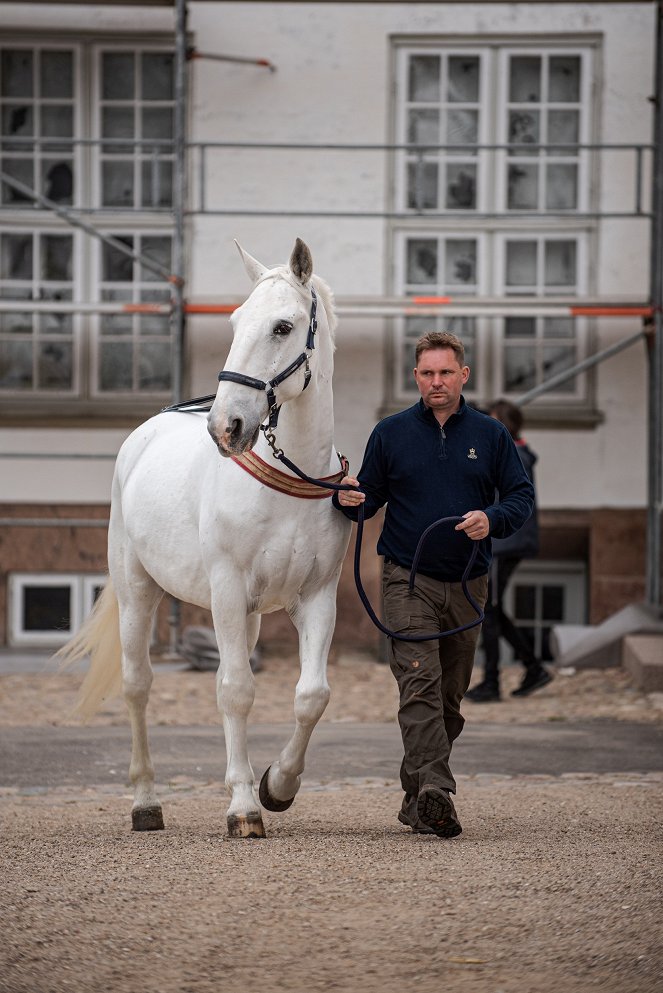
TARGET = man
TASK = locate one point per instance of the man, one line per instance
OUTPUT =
(507, 555)
(439, 458)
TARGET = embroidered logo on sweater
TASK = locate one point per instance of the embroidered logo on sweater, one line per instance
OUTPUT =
(472, 454)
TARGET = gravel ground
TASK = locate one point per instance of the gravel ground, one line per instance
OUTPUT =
(554, 884)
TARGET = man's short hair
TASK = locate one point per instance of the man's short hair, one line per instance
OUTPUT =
(509, 414)
(440, 339)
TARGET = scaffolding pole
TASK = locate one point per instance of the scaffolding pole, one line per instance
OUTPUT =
(655, 439)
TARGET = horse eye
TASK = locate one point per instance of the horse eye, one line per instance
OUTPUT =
(283, 327)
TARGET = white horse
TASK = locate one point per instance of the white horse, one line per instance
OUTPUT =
(186, 521)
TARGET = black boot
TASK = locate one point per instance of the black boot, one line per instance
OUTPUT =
(483, 692)
(535, 677)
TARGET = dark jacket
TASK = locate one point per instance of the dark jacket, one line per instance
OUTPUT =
(523, 543)
(424, 472)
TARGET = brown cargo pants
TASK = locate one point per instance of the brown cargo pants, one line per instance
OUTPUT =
(432, 676)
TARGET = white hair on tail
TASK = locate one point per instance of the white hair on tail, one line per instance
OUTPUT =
(98, 638)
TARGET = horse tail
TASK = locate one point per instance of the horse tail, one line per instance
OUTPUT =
(98, 637)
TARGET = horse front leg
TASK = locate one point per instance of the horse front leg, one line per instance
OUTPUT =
(235, 691)
(314, 619)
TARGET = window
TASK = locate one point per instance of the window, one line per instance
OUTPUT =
(544, 594)
(136, 104)
(45, 610)
(36, 350)
(91, 128)
(509, 121)
(38, 106)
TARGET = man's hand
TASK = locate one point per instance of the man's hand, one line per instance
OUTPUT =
(475, 525)
(350, 498)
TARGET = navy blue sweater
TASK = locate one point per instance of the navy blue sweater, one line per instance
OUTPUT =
(424, 472)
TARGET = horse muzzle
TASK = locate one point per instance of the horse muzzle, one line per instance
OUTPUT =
(234, 437)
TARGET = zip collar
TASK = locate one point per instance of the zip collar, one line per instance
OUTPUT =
(426, 414)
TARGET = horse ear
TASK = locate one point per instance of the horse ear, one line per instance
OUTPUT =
(254, 268)
(301, 263)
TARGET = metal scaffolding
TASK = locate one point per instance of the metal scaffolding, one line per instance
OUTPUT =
(651, 311)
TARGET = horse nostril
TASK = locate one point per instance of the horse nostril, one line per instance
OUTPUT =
(236, 428)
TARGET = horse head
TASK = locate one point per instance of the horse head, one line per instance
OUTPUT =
(268, 363)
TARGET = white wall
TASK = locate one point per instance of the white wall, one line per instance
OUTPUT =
(333, 84)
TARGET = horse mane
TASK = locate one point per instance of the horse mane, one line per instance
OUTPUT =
(326, 295)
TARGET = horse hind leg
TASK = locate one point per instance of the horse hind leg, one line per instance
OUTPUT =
(137, 609)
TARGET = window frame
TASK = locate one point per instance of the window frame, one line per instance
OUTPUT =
(80, 585)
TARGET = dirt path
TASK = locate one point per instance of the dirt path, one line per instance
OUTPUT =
(554, 884)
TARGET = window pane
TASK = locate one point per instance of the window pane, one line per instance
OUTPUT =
(519, 368)
(116, 323)
(520, 327)
(16, 365)
(461, 190)
(560, 263)
(118, 184)
(157, 122)
(460, 262)
(525, 602)
(157, 180)
(117, 76)
(57, 121)
(17, 119)
(462, 127)
(16, 256)
(57, 75)
(56, 257)
(56, 324)
(55, 365)
(21, 170)
(565, 78)
(16, 323)
(525, 79)
(16, 74)
(561, 186)
(424, 78)
(523, 187)
(117, 122)
(558, 327)
(154, 365)
(46, 608)
(563, 126)
(524, 127)
(157, 249)
(463, 83)
(422, 185)
(57, 180)
(553, 603)
(556, 359)
(423, 127)
(521, 263)
(115, 371)
(116, 266)
(157, 76)
(421, 260)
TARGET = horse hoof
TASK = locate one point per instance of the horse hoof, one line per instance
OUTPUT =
(249, 826)
(147, 819)
(268, 801)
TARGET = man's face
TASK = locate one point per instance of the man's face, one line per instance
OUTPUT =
(440, 378)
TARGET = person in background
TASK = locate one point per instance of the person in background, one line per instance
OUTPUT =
(507, 554)
(436, 459)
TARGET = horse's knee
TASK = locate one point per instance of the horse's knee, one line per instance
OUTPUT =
(310, 703)
(235, 691)
(136, 686)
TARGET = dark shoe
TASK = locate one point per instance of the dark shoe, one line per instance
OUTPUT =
(418, 827)
(436, 810)
(534, 679)
(483, 693)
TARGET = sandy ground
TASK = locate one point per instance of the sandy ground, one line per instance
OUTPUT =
(554, 884)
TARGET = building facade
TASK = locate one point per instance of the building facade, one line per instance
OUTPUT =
(494, 155)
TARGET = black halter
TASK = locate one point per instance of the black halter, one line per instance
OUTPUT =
(270, 385)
